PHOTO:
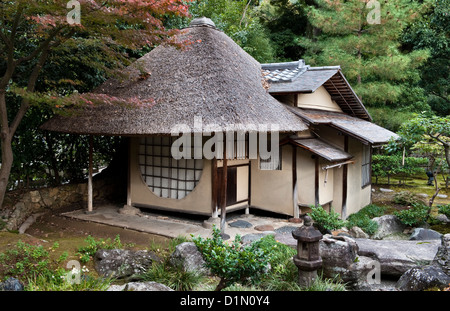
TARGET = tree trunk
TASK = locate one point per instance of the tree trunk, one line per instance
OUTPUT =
(7, 153)
(222, 284)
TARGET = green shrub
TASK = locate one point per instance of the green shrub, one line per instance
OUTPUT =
(372, 210)
(85, 253)
(326, 221)
(172, 276)
(232, 263)
(363, 218)
(413, 216)
(362, 221)
(406, 198)
(444, 209)
(25, 261)
(87, 283)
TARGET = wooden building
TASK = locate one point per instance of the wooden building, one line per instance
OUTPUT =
(214, 87)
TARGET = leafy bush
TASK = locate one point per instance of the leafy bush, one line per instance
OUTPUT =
(444, 209)
(172, 276)
(406, 198)
(413, 216)
(362, 221)
(233, 263)
(326, 221)
(372, 210)
(85, 253)
(25, 261)
(363, 218)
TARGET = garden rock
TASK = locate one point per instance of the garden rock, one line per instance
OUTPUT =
(442, 258)
(11, 284)
(146, 287)
(398, 256)
(189, 258)
(264, 228)
(338, 254)
(388, 225)
(358, 233)
(121, 263)
(425, 234)
(443, 218)
(421, 278)
(139, 286)
(240, 224)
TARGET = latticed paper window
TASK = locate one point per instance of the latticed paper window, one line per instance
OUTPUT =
(366, 166)
(165, 176)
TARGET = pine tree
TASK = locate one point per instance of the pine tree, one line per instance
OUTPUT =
(363, 37)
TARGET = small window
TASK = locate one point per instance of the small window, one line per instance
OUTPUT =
(366, 168)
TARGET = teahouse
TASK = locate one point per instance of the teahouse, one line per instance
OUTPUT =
(213, 87)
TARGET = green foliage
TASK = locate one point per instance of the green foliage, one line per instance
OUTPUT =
(87, 283)
(444, 209)
(326, 221)
(389, 165)
(238, 20)
(363, 218)
(362, 221)
(25, 261)
(172, 276)
(406, 198)
(86, 253)
(431, 31)
(233, 263)
(369, 53)
(413, 216)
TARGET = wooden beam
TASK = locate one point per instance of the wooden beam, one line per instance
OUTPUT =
(294, 182)
(223, 203)
(316, 181)
(344, 183)
(215, 192)
(90, 192)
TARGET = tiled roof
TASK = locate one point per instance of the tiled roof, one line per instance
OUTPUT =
(297, 77)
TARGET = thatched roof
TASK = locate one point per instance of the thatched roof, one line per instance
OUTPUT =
(213, 79)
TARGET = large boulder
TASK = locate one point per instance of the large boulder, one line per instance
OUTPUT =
(398, 256)
(189, 258)
(421, 278)
(442, 258)
(120, 263)
(139, 286)
(423, 234)
(388, 226)
(340, 259)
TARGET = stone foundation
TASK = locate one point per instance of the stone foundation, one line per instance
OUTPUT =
(19, 205)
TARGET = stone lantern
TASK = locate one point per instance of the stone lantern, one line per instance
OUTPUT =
(308, 258)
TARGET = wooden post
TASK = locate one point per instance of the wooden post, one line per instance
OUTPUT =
(223, 201)
(344, 183)
(294, 182)
(316, 181)
(90, 193)
(215, 192)
(129, 173)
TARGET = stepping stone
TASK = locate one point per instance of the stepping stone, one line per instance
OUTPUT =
(241, 224)
(386, 190)
(285, 229)
(442, 196)
(264, 228)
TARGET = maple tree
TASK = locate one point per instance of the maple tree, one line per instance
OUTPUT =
(31, 30)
